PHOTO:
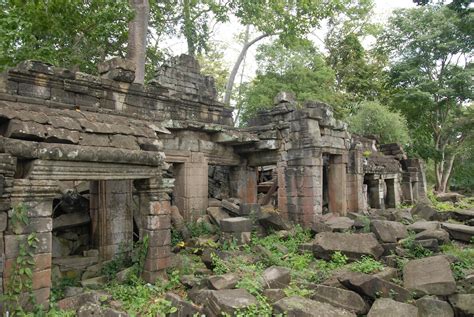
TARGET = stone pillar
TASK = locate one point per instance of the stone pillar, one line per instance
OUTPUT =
(391, 197)
(407, 189)
(337, 185)
(154, 206)
(35, 197)
(111, 211)
(191, 186)
(300, 192)
(243, 183)
(7, 171)
(376, 193)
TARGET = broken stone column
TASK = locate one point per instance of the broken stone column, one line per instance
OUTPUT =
(111, 209)
(244, 183)
(191, 186)
(35, 198)
(155, 212)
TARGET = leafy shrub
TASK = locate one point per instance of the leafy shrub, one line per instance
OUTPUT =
(415, 250)
(376, 119)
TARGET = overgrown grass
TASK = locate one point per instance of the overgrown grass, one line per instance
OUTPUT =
(144, 299)
(465, 258)
(367, 265)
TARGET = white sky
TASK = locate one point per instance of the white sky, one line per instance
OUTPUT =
(226, 34)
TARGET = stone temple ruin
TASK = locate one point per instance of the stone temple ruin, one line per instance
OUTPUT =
(130, 152)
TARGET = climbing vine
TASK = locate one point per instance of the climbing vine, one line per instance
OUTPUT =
(20, 280)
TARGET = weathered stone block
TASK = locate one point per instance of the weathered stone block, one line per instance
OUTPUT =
(227, 301)
(433, 307)
(157, 264)
(36, 224)
(60, 95)
(157, 237)
(373, 287)
(158, 252)
(388, 231)
(158, 208)
(440, 235)
(459, 232)
(71, 220)
(299, 306)
(34, 91)
(342, 298)
(424, 211)
(157, 222)
(225, 281)
(276, 277)
(3, 221)
(430, 276)
(237, 224)
(423, 225)
(389, 308)
(12, 243)
(463, 304)
(353, 245)
(217, 214)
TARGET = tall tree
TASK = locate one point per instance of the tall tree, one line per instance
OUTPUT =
(137, 37)
(289, 20)
(359, 75)
(432, 78)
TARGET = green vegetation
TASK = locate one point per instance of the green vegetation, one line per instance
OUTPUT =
(464, 256)
(431, 82)
(415, 250)
(299, 68)
(367, 265)
(373, 118)
(21, 274)
(142, 298)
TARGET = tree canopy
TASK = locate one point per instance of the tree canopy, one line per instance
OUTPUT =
(75, 34)
(373, 118)
(300, 69)
(431, 79)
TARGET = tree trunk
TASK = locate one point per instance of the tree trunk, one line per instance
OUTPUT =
(189, 28)
(235, 69)
(137, 31)
(447, 173)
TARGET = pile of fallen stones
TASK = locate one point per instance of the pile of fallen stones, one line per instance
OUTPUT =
(424, 286)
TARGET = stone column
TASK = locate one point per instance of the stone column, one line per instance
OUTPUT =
(243, 184)
(407, 189)
(376, 193)
(7, 171)
(191, 186)
(35, 197)
(337, 185)
(155, 214)
(111, 209)
(392, 197)
(300, 192)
